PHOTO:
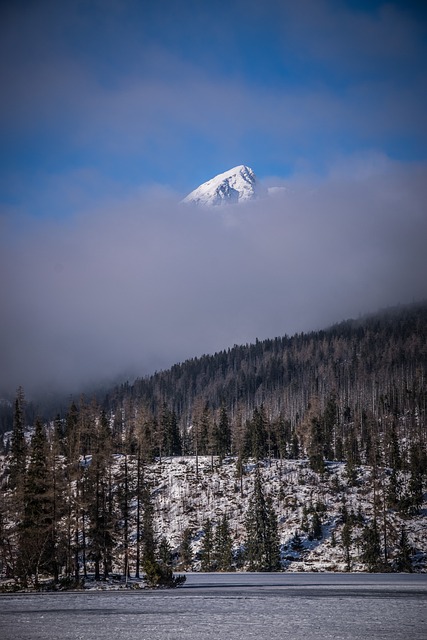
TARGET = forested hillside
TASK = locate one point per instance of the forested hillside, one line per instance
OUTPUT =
(368, 373)
(307, 452)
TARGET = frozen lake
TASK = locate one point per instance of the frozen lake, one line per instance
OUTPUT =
(230, 606)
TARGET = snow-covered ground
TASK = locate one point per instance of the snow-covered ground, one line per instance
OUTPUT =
(186, 493)
(184, 498)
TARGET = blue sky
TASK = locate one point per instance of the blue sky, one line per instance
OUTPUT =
(113, 110)
(105, 96)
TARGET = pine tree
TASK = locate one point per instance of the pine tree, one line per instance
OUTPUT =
(97, 493)
(18, 444)
(371, 549)
(296, 543)
(346, 542)
(171, 439)
(185, 550)
(36, 544)
(223, 544)
(262, 540)
(206, 550)
(256, 435)
(205, 433)
(404, 556)
(394, 489)
(240, 470)
(316, 527)
(394, 459)
(223, 434)
(165, 552)
(352, 455)
(316, 445)
(295, 448)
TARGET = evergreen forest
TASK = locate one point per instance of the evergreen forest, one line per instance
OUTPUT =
(295, 453)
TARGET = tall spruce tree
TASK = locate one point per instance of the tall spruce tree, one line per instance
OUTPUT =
(18, 444)
(256, 435)
(185, 550)
(36, 543)
(206, 551)
(262, 540)
(346, 542)
(223, 434)
(316, 445)
(404, 554)
(165, 552)
(223, 546)
(98, 496)
(371, 547)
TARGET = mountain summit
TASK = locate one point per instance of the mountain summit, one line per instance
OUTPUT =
(236, 185)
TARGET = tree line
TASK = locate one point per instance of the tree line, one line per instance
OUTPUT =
(354, 393)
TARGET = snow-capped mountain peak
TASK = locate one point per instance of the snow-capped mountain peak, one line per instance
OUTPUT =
(236, 185)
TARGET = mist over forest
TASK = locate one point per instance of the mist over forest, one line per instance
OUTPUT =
(140, 283)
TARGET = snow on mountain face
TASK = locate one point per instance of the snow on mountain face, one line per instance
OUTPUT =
(236, 185)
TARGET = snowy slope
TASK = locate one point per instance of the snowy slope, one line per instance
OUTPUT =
(183, 498)
(184, 494)
(236, 185)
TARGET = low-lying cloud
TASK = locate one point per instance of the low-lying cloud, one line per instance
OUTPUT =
(138, 284)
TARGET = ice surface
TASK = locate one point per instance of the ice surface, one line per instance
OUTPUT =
(230, 607)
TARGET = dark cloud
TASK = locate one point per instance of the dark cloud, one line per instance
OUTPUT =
(143, 282)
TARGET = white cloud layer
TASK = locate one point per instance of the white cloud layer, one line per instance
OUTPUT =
(143, 282)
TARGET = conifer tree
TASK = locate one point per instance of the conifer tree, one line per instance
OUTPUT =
(316, 527)
(316, 445)
(262, 540)
(256, 435)
(404, 556)
(223, 434)
(98, 497)
(165, 552)
(124, 499)
(295, 448)
(18, 444)
(223, 545)
(371, 549)
(36, 545)
(346, 542)
(394, 459)
(185, 550)
(169, 433)
(296, 543)
(206, 434)
(57, 478)
(207, 547)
